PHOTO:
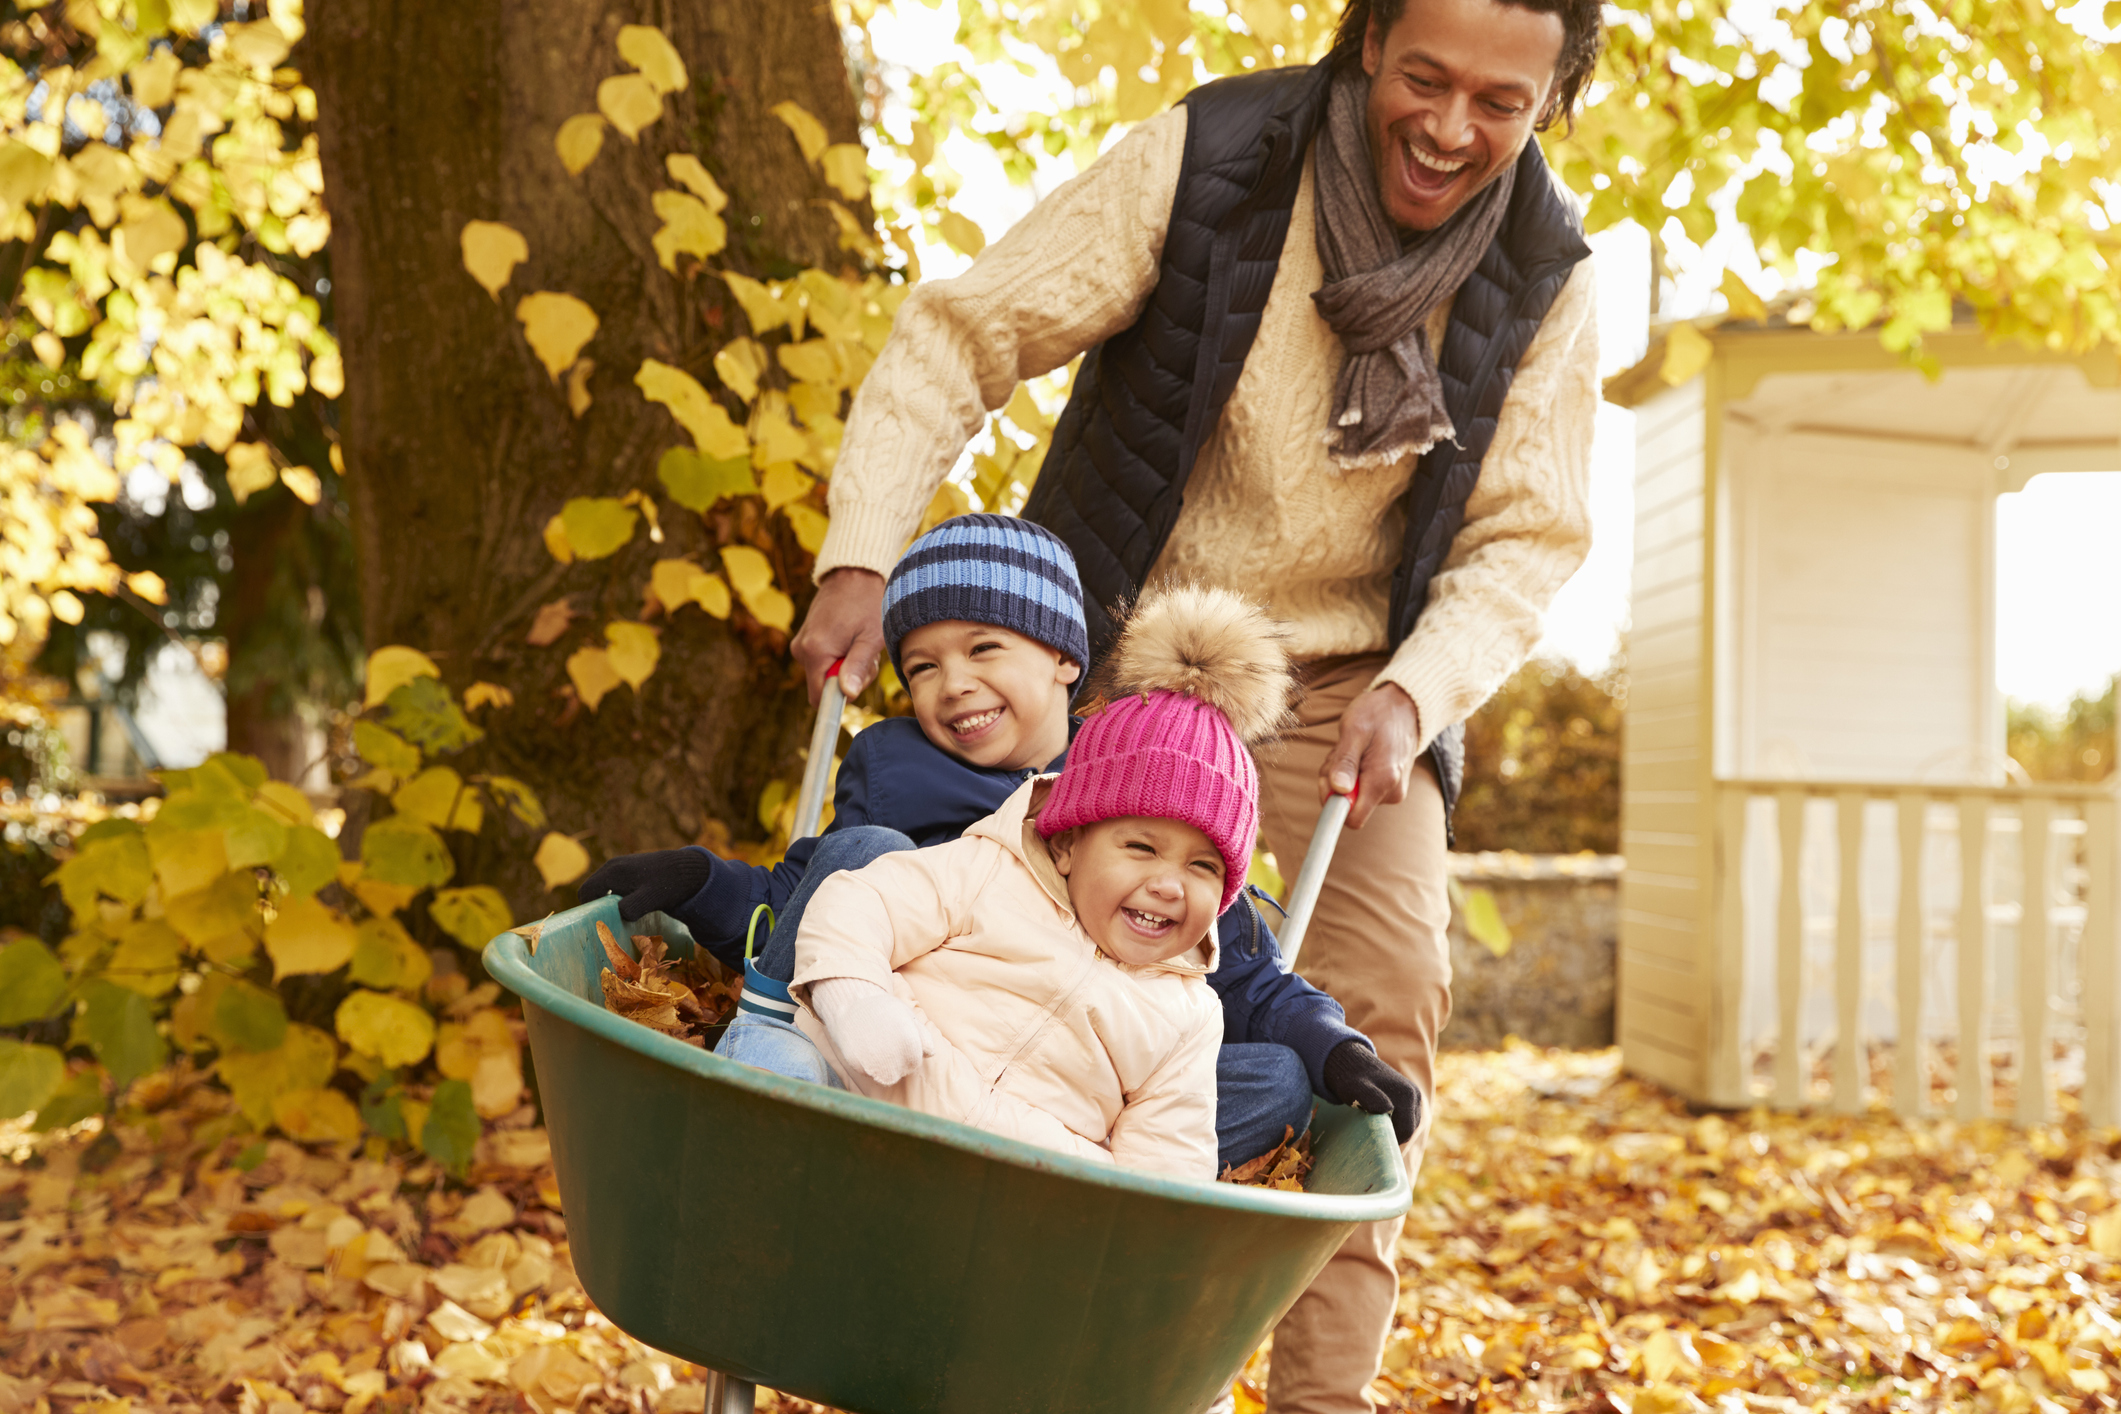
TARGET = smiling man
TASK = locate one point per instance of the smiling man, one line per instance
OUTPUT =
(1339, 356)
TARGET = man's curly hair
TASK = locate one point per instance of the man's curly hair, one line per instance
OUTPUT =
(1582, 37)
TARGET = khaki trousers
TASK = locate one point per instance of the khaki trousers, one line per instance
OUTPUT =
(1376, 944)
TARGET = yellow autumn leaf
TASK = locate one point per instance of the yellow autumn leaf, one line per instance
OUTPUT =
(964, 237)
(634, 651)
(307, 936)
(306, 485)
(689, 228)
(809, 133)
(250, 470)
(1739, 297)
(154, 79)
(752, 576)
(483, 1050)
(776, 437)
(783, 483)
(846, 168)
(492, 251)
(589, 669)
(316, 1116)
(560, 860)
(558, 326)
(711, 593)
(631, 102)
(556, 540)
(809, 524)
(578, 395)
(685, 169)
(766, 308)
(671, 581)
(391, 668)
(1686, 352)
(650, 50)
(151, 227)
(711, 429)
(579, 140)
(391, 1029)
(812, 361)
(739, 365)
(483, 694)
(439, 796)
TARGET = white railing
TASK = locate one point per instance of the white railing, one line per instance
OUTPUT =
(1846, 949)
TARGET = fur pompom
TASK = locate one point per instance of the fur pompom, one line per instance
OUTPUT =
(1211, 645)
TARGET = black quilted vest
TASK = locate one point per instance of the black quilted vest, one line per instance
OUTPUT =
(1144, 401)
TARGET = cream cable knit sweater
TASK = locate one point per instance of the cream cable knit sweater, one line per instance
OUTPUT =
(1266, 513)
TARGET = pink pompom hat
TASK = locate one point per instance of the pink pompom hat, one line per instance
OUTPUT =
(1196, 677)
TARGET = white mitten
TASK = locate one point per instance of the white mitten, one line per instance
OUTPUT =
(875, 1032)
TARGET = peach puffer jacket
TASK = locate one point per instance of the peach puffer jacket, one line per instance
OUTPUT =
(1036, 1034)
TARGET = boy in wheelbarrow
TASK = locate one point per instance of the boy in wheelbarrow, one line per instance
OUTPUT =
(983, 620)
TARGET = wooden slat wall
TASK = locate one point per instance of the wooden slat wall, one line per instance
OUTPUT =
(1663, 1004)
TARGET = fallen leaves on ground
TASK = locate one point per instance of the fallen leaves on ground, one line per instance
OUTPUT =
(1580, 1240)
(1285, 1166)
(145, 1274)
(683, 997)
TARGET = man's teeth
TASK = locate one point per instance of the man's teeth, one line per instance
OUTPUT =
(1147, 920)
(1434, 164)
(964, 726)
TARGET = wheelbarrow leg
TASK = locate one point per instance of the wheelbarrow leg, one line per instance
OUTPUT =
(728, 1395)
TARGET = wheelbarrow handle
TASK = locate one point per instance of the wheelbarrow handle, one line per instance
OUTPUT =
(824, 735)
(1303, 898)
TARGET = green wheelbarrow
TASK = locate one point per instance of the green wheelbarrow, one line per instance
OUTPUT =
(887, 1262)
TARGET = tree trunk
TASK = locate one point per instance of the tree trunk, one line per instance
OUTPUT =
(458, 446)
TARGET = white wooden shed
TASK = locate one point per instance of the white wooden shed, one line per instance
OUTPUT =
(1811, 666)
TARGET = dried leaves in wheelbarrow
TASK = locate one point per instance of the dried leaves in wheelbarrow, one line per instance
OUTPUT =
(681, 997)
(1285, 1166)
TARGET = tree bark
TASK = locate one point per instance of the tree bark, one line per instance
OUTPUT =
(459, 448)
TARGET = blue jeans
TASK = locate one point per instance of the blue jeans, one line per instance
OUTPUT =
(776, 1046)
(1261, 1092)
(850, 848)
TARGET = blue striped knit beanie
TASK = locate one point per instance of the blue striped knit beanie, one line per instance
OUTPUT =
(989, 569)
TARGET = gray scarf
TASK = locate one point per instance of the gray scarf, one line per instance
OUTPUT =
(1378, 297)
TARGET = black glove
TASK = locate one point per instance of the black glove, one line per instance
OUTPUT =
(1355, 1076)
(656, 881)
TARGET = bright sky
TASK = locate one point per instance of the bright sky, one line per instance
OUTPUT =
(2059, 610)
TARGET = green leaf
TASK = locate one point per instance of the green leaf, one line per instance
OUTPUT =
(401, 850)
(452, 1128)
(1484, 921)
(473, 916)
(121, 1030)
(696, 482)
(254, 837)
(32, 983)
(148, 957)
(391, 1029)
(205, 916)
(309, 862)
(379, 1106)
(386, 956)
(78, 1097)
(438, 796)
(29, 1076)
(598, 525)
(248, 1018)
(115, 865)
(304, 1061)
(424, 714)
(385, 749)
(519, 799)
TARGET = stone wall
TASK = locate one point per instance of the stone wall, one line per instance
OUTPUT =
(1552, 984)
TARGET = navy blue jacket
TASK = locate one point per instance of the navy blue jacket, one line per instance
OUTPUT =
(895, 777)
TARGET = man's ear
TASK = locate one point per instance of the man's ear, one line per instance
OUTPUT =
(1062, 848)
(1373, 47)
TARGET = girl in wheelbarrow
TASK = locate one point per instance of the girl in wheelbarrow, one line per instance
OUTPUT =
(984, 623)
